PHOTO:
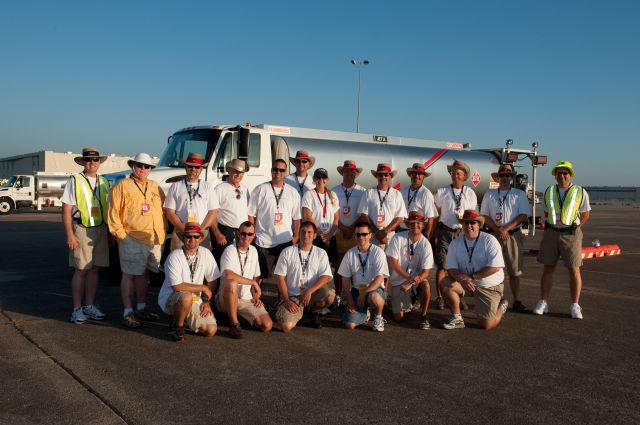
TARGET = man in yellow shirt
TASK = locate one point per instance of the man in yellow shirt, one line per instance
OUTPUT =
(136, 220)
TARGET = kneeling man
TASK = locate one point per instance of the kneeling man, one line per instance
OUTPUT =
(364, 269)
(474, 263)
(191, 275)
(303, 273)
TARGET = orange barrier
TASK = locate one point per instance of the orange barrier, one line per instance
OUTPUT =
(593, 252)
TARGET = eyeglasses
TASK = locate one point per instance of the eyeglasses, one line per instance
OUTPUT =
(278, 170)
(504, 175)
(238, 193)
(196, 167)
(362, 235)
(562, 173)
(383, 174)
(196, 237)
(246, 234)
(145, 166)
(91, 159)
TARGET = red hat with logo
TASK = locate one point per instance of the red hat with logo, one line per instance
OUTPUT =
(384, 169)
(349, 165)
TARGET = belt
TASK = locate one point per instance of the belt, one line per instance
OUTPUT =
(511, 232)
(441, 225)
(559, 229)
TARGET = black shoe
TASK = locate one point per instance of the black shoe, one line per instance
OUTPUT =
(235, 331)
(178, 334)
(518, 307)
(314, 320)
(147, 316)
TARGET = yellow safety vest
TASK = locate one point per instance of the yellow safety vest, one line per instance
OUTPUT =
(569, 207)
(92, 204)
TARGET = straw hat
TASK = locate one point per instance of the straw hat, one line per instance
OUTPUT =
(472, 215)
(89, 153)
(384, 168)
(191, 227)
(349, 165)
(238, 165)
(195, 159)
(415, 217)
(504, 168)
(419, 169)
(459, 165)
(303, 155)
(141, 158)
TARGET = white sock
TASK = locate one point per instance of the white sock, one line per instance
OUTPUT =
(88, 306)
(458, 316)
(127, 311)
(77, 309)
(141, 306)
(375, 316)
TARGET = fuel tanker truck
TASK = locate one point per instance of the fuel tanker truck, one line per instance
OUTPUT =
(44, 189)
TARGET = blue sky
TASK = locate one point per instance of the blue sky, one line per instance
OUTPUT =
(124, 75)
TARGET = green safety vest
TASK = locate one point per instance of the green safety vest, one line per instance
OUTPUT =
(569, 207)
(91, 204)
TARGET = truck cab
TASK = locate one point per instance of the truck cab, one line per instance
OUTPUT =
(17, 192)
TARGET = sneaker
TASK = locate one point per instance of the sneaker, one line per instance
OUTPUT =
(518, 307)
(368, 316)
(541, 308)
(314, 320)
(178, 334)
(454, 323)
(93, 312)
(408, 309)
(424, 323)
(147, 316)
(439, 303)
(378, 323)
(502, 306)
(324, 311)
(337, 303)
(235, 331)
(576, 311)
(130, 321)
(78, 317)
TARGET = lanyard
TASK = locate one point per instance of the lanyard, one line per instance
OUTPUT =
(347, 194)
(562, 198)
(146, 186)
(96, 189)
(304, 264)
(301, 185)
(502, 199)
(385, 196)
(411, 198)
(457, 198)
(277, 196)
(324, 206)
(190, 192)
(410, 248)
(470, 252)
(363, 264)
(242, 264)
(192, 262)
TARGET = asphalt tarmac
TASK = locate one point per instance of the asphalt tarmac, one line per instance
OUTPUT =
(532, 369)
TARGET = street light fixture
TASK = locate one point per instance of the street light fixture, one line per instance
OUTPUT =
(359, 64)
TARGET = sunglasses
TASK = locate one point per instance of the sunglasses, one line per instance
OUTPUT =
(145, 166)
(504, 175)
(471, 223)
(362, 235)
(196, 237)
(196, 167)
(246, 234)
(91, 159)
(562, 173)
(383, 174)
(303, 161)
(238, 193)
(278, 170)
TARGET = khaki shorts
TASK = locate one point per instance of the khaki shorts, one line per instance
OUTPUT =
(487, 300)
(555, 244)
(285, 316)
(136, 257)
(512, 252)
(400, 300)
(93, 247)
(193, 321)
(445, 236)
(246, 309)
(343, 244)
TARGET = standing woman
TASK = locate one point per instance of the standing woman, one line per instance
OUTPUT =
(320, 206)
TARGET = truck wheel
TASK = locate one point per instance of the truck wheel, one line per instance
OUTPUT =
(6, 206)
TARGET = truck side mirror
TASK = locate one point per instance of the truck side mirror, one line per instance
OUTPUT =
(243, 143)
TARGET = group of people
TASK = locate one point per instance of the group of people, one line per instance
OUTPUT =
(381, 242)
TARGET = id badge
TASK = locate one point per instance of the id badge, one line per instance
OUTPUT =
(95, 212)
(380, 220)
(146, 208)
(459, 213)
(346, 210)
(278, 219)
(362, 288)
(192, 218)
(498, 219)
(195, 298)
(409, 270)
(324, 226)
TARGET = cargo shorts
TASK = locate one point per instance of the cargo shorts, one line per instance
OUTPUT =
(93, 247)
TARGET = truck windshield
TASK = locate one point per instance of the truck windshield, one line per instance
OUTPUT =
(202, 141)
(10, 182)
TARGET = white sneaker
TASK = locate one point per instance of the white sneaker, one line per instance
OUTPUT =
(454, 323)
(78, 317)
(504, 304)
(576, 311)
(92, 312)
(368, 316)
(324, 311)
(541, 308)
(378, 323)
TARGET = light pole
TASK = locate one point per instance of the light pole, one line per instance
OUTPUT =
(360, 65)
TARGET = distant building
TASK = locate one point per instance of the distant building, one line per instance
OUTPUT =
(613, 194)
(30, 163)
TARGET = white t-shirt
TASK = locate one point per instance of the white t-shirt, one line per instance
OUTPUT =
(502, 206)
(177, 271)
(69, 194)
(374, 261)
(290, 266)
(382, 213)
(249, 268)
(445, 201)
(486, 253)
(315, 202)
(232, 210)
(190, 208)
(301, 185)
(400, 248)
(420, 201)
(274, 220)
(584, 205)
(349, 207)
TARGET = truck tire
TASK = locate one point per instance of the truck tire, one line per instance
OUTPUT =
(6, 206)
